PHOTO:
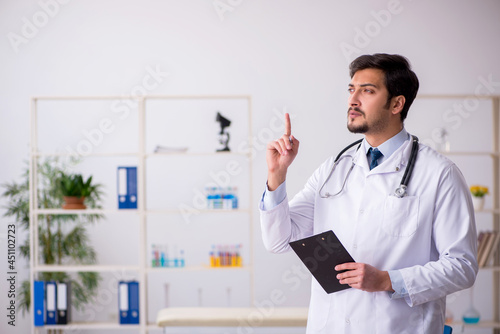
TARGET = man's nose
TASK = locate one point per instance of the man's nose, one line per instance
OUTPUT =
(354, 100)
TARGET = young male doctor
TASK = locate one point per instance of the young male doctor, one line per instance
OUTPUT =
(410, 251)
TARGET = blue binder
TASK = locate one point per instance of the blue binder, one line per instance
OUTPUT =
(51, 300)
(127, 187)
(133, 302)
(38, 303)
(123, 301)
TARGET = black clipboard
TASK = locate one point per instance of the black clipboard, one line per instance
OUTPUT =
(321, 253)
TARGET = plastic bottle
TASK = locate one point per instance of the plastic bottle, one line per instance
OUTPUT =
(235, 197)
(153, 256)
(210, 197)
(162, 257)
(227, 199)
(176, 257)
(217, 198)
(238, 256)
(167, 259)
(182, 262)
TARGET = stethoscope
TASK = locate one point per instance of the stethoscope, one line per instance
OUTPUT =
(400, 192)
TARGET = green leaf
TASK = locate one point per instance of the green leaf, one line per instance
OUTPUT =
(61, 238)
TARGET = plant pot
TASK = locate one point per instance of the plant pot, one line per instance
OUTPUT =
(477, 203)
(74, 203)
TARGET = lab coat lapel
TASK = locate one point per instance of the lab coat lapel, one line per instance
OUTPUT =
(360, 159)
(397, 161)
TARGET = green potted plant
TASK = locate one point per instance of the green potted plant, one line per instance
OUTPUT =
(75, 189)
(62, 239)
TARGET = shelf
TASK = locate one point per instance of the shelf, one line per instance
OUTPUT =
(457, 96)
(93, 154)
(481, 324)
(90, 326)
(490, 211)
(496, 268)
(139, 98)
(130, 211)
(105, 268)
(197, 268)
(198, 154)
(83, 268)
(209, 211)
(84, 212)
(471, 153)
(137, 154)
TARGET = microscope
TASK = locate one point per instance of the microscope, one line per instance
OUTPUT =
(223, 134)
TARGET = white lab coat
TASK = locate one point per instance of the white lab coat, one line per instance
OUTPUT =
(429, 236)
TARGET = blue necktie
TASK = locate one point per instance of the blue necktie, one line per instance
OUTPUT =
(375, 154)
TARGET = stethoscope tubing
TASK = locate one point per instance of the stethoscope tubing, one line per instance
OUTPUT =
(411, 163)
(399, 192)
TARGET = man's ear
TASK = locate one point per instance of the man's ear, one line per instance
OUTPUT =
(397, 104)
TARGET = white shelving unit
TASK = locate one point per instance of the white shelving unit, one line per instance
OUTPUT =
(142, 269)
(494, 211)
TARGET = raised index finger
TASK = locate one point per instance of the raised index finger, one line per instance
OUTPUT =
(288, 125)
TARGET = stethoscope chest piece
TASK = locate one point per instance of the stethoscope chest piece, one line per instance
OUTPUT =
(400, 192)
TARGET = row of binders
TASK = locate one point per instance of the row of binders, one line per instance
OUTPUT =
(487, 244)
(51, 303)
(128, 302)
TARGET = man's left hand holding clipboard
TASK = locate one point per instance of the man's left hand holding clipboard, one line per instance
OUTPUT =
(334, 268)
(321, 253)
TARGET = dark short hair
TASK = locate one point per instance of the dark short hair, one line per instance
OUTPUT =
(399, 78)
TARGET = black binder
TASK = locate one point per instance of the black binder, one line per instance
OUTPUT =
(63, 303)
(321, 253)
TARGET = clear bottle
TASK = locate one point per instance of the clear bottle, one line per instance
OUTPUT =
(176, 257)
(162, 256)
(210, 197)
(212, 254)
(217, 198)
(471, 316)
(235, 197)
(182, 262)
(153, 255)
(227, 199)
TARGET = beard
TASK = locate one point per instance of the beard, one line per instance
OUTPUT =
(377, 125)
(359, 128)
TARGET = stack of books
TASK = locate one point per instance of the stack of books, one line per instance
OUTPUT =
(487, 244)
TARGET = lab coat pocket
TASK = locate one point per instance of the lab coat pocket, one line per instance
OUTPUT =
(401, 216)
(319, 308)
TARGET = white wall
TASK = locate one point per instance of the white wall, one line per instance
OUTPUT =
(286, 54)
